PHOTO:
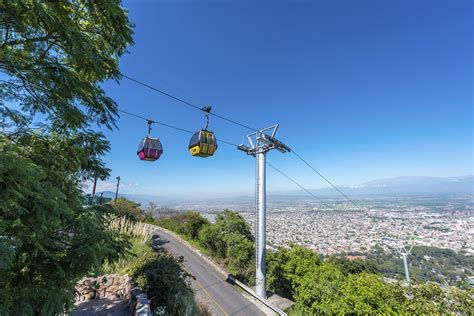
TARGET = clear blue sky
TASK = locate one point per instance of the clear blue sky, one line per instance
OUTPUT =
(362, 89)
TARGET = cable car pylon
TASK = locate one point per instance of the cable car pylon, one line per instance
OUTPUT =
(258, 144)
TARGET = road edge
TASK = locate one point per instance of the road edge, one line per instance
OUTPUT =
(216, 267)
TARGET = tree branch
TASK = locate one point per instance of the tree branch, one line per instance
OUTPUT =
(46, 50)
(61, 241)
(29, 40)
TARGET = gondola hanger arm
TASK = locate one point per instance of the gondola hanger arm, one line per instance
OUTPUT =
(207, 109)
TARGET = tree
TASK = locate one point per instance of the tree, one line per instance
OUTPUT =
(287, 268)
(215, 237)
(232, 222)
(426, 298)
(366, 294)
(210, 238)
(319, 290)
(129, 209)
(55, 54)
(462, 302)
(192, 223)
(150, 213)
(53, 57)
(355, 266)
(49, 239)
(166, 283)
(241, 257)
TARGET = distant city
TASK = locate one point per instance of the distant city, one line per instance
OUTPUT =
(440, 213)
(437, 222)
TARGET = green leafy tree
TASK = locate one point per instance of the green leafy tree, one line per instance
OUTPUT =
(461, 302)
(355, 266)
(49, 239)
(192, 223)
(165, 282)
(129, 209)
(276, 278)
(232, 222)
(55, 54)
(227, 223)
(426, 298)
(287, 268)
(241, 257)
(367, 294)
(319, 290)
(53, 57)
(212, 239)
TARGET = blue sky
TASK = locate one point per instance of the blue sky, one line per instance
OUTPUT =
(362, 89)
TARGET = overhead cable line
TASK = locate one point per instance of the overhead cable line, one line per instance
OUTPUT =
(303, 188)
(326, 179)
(170, 126)
(228, 120)
(187, 103)
(227, 143)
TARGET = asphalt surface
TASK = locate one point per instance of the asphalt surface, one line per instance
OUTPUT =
(226, 299)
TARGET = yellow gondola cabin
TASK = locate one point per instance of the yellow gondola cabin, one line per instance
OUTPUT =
(203, 144)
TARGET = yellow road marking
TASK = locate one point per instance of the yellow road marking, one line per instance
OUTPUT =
(210, 296)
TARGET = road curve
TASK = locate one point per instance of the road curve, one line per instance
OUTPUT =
(227, 299)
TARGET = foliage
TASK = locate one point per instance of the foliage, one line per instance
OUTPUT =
(165, 283)
(131, 228)
(366, 294)
(216, 237)
(53, 57)
(159, 275)
(192, 223)
(348, 266)
(229, 239)
(333, 286)
(48, 238)
(337, 287)
(461, 302)
(286, 268)
(444, 266)
(123, 207)
(56, 53)
(240, 257)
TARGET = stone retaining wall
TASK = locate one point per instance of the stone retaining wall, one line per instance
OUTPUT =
(113, 286)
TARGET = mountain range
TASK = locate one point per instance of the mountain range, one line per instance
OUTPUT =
(463, 185)
(400, 186)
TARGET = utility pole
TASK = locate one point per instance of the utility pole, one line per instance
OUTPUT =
(116, 191)
(94, 186)
(259, 143)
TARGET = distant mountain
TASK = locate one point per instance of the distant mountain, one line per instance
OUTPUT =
(411, 186)
(400, 186)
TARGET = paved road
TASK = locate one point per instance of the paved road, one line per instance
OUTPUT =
(222, 295)
(102, 307)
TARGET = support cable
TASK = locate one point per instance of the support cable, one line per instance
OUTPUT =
(171, 126)
(187, 103)
(326, 179)
(303, 188)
